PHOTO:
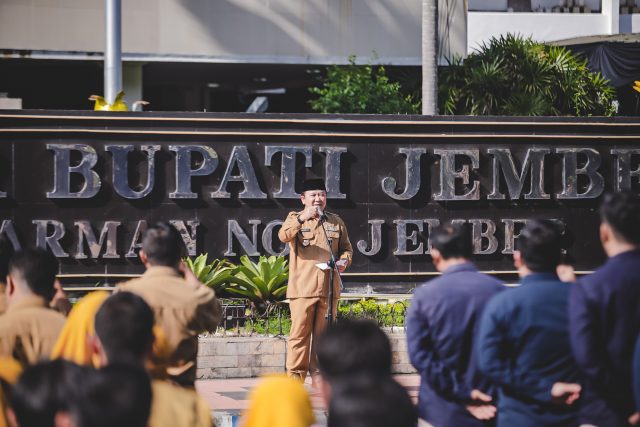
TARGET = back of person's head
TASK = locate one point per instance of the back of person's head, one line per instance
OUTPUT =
(45, 390)
(622, 212)
(452, 241)
(163, 245)
(36, 268)
(115, 396)
(351, 347)
(6, 252)
(124, 325)
(366, 401)
(540, 245)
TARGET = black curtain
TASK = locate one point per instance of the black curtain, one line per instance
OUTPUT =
(618, 62)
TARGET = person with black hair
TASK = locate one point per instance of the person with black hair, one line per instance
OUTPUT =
(46, 394)
(364, 401)
(350, 348)
(29, 328)
(183, 306)
(308, 288)
(6, 252)
(523, 337)
(124, 335)
(440, 333)
(118, 395)
(604, 313)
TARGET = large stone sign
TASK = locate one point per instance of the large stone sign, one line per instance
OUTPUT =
(86, 184)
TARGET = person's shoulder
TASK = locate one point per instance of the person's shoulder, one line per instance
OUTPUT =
(506, 299)
(430, 289)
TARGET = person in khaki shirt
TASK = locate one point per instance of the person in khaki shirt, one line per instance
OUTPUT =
(183, 306)
(124, 334)
(29, 328)
(309, 285)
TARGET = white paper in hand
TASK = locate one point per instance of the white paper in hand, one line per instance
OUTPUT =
(323, 266)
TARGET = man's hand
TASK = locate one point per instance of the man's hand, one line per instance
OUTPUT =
(308, 213)
(634, 419)
(481, 407)
(565, 393)
(342, 265)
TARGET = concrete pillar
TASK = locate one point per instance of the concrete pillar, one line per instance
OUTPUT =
(611, 9)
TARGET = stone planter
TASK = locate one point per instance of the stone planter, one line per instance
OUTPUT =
(246, 357)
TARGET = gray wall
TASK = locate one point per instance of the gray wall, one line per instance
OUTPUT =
(284, 31)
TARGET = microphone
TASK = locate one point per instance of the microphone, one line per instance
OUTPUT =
(321, 214)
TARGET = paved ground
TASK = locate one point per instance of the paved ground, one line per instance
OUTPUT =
(228, 397)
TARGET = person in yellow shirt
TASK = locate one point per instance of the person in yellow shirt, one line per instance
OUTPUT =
(124, 335)
(10, 370)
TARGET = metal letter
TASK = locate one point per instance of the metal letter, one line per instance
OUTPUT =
(250, 246)
(121, 169)
(412, 175)
(267, 239)
(62, 171)
(403, 238)
(136, 242)
(288, 170)
(624, 174)
(570, 173)
(448, 175)
(240, 157)
(190, 239)
(478, 235)
(52, 241)
(431, 224)
(534, 161)
(10, 232)
(109, 231)
(184, 171)
(376, 238)
(510, 235)
(332, 171)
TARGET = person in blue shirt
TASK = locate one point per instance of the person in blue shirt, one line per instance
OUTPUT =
(523, 337)
(440, 329)
(604, 312)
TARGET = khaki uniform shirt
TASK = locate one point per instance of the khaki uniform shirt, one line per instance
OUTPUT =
(174, 406)
(182, 310)
(308, 247)
(29, 329)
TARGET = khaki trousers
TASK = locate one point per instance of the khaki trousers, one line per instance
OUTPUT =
(307, 322)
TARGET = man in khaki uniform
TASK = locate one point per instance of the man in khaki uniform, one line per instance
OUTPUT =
(29, 328)
(183, 307)
(309, 285)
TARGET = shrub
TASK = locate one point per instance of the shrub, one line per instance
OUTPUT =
(361, 90)
(515, 76)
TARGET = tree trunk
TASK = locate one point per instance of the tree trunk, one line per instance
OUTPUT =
(429, 57)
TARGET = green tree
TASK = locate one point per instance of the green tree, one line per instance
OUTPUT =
(516, 76)
(361, 90)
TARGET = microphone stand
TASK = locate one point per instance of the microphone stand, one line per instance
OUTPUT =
(332, 265)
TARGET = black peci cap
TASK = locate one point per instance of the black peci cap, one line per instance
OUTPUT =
(313, 184)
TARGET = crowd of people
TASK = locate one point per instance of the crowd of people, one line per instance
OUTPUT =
(547, 352)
